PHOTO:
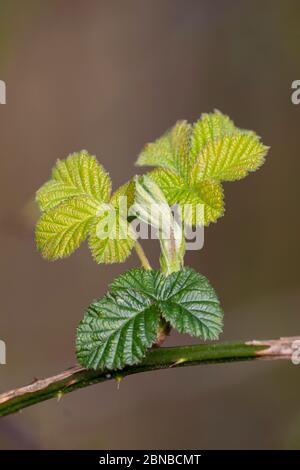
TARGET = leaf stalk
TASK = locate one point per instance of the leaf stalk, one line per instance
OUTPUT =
(142, 256)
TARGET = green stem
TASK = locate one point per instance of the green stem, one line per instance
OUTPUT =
(172, 252)
(161, 358)
(142, 256)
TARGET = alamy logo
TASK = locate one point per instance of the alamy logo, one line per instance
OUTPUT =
(295, 96)
(296, 352)
(158, 221)
(2, 92)
(2, 352)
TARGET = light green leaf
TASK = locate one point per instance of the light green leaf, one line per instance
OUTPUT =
(180, 137)
(117, 330)
(126, 190)
(200, 203)
(62, 229)
(158, 153)
(230, 158)
(80, 174)
(197, 159)
(190, 304)
(73, 202)
(210, 127)
(170, 183)
(111, 237)
(170, 151)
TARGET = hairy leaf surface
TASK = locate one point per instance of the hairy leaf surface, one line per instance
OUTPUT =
(127, 190)
(209, 128)
(198, 158)
(230, 158)
(200, 203)
(80, 174)
(60, 231)
(158, 153)
(111, 237)
(72, 203)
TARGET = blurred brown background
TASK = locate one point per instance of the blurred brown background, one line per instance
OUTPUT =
(109, 76)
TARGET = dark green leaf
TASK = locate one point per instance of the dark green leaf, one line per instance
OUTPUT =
(191, 305)
(118, 329)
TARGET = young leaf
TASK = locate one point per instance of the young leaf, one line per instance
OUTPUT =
(180, 137)
(127, 191)
(151, 207)
(200, 203)
(117, 330)
(213, 150)
(171, 151)
(61, 230)
(72, 202)
(158, 153)
(78, 175)
(209, 128)
(230, 158)
(111, 237)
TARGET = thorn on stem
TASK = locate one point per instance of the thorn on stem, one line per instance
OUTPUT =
(118, 379)
(35, 379)
(179, 361)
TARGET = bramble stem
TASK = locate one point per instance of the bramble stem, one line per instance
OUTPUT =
(161, 358)
(142, 256)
